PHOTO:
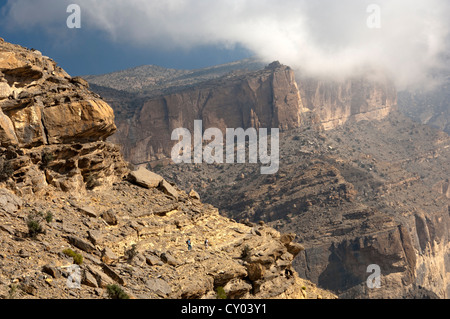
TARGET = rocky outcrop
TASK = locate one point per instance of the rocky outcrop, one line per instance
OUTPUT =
(45, 105)
(144, 251)
(52, 128)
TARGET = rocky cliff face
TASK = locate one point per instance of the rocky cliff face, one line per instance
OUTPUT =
(266, 99)
(354, 99)
(428, 106)
(370, 189)
(366, 193)
(74, 220)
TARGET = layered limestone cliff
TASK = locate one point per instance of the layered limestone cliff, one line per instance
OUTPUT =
(266, 99)
(74, 220)
(274, 97)
(52, 128)
(337, 102)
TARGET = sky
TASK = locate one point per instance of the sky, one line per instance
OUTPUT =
(406, 39)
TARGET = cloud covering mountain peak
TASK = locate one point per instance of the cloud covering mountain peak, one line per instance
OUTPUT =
(321, 38)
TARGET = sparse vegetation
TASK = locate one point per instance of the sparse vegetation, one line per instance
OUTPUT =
(34, 225)
(12, 291)
(6, 170)
(77, 257)
(220, 293)
(116, 292)
(131, 253)
(49, 217)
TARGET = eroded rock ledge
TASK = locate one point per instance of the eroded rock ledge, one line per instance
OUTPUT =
(52, 128)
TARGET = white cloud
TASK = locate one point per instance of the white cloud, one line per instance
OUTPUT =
(321, 37)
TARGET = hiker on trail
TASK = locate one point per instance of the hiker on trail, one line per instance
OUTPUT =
(188, 242)
(206, 243)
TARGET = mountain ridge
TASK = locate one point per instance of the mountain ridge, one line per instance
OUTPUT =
(77, 222)
(359, 183)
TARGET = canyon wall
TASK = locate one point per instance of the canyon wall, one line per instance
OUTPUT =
(353, 99)
(367, 193)
(68, 200)
(268, 98)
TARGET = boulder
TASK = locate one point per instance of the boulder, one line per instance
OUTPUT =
(158, 286)
(5, 90)
(88, 211)
(108, 256)
(194, 287)
(80, 81)
(102, 279)
(169, 259)
(145, 178)
(89, 280)
(86, 120)
(81, 244)
(236, 288)
(153, 261)
(168, 189)
(9, 202)
(193, 194)
(294, 248)
(95, 236)
(52, 271)
(287, 238)
(113, 275)
(110, 217)
(7, 133)
(255, 271)
(8, 229)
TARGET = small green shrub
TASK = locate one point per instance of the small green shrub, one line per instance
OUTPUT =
(34, 226)
(115, 292)
(49, 217)
(77, 258)
(131, 253)
(220, 293)
(12, 291)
